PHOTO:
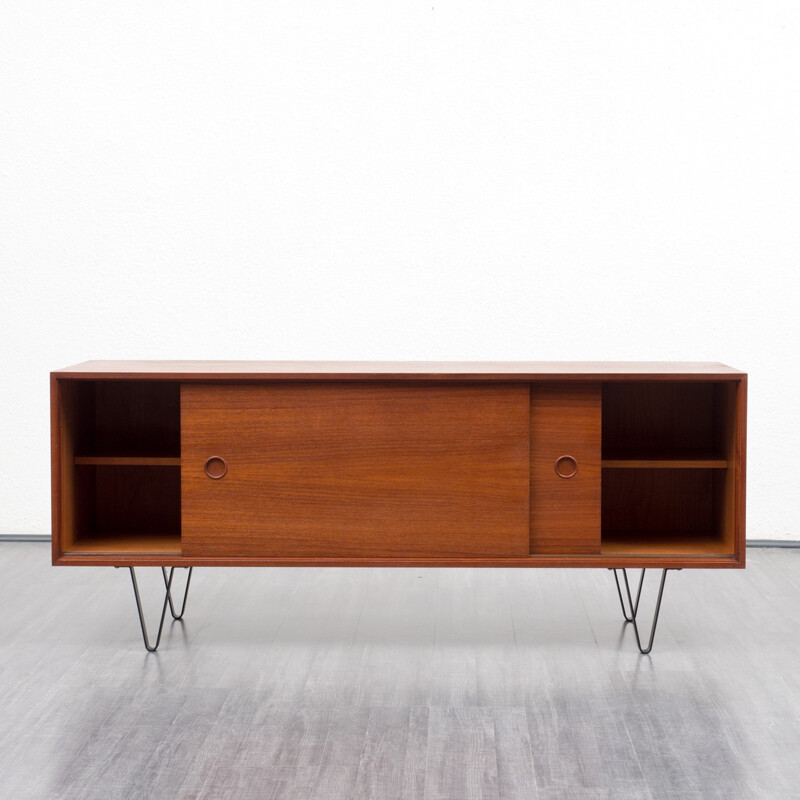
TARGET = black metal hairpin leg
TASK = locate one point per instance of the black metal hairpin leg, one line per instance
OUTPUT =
(167, 602)
(634, 607)
(167, 584)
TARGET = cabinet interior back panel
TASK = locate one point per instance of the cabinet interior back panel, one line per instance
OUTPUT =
(358, 470)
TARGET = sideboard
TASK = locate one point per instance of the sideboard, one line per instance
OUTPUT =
(482, 464)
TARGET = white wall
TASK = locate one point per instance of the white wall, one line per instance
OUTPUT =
(409, 180)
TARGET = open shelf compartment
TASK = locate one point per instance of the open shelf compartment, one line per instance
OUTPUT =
(666, 424)
(669, 464)
(123, 419)
(120, 467)
(665, 512)
(127, 508)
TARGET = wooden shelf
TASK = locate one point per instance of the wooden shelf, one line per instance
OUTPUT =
(664, 463)
(139, 543)
(129, 461)
(657, 544)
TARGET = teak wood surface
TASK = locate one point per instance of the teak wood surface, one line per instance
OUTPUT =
(565, 512)
(356, 470)
(458, 473)
(399, 370)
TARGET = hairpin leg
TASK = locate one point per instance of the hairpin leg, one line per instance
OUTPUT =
(167, 584)
(634, 607)
(167, 602)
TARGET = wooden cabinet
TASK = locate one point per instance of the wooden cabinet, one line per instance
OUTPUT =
(504, 464)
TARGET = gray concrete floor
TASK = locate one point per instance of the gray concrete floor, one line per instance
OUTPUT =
(407, 683)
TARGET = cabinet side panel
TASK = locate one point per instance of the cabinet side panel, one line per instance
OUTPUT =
(740, 460)
(730, 415)
(349, 469)
(55, 468)
(67, 434)
(565, 512)
(74, 410)
(725, 484)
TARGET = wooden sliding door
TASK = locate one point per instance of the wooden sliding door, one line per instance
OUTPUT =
(565, 468)
(355, 469)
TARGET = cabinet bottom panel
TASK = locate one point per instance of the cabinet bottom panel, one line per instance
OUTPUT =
(699, 561)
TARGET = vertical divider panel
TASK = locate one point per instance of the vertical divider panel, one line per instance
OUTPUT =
(565, 449)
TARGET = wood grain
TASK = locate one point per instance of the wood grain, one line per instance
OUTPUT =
(670, 542)
(400, 370)
(356, 470)
(72, 420)
(133, 499)
(135, 417)
(131, 543)
(678, 513)
(56, 480)
(659, 419)
(130, 461)
(664, 463)
(565, 513)
(661, 560)
(658, 500)
(725, 485)
(731, 435)
(685, 417)
(663, 511)
(60, 485)
(740, 460)
(111, 441)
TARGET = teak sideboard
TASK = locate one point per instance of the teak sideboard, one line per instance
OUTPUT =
(516, 464)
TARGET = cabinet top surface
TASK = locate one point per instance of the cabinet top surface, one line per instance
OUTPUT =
(421, 370)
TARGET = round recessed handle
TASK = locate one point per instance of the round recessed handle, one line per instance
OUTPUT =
(566, 466)
(216, 467)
